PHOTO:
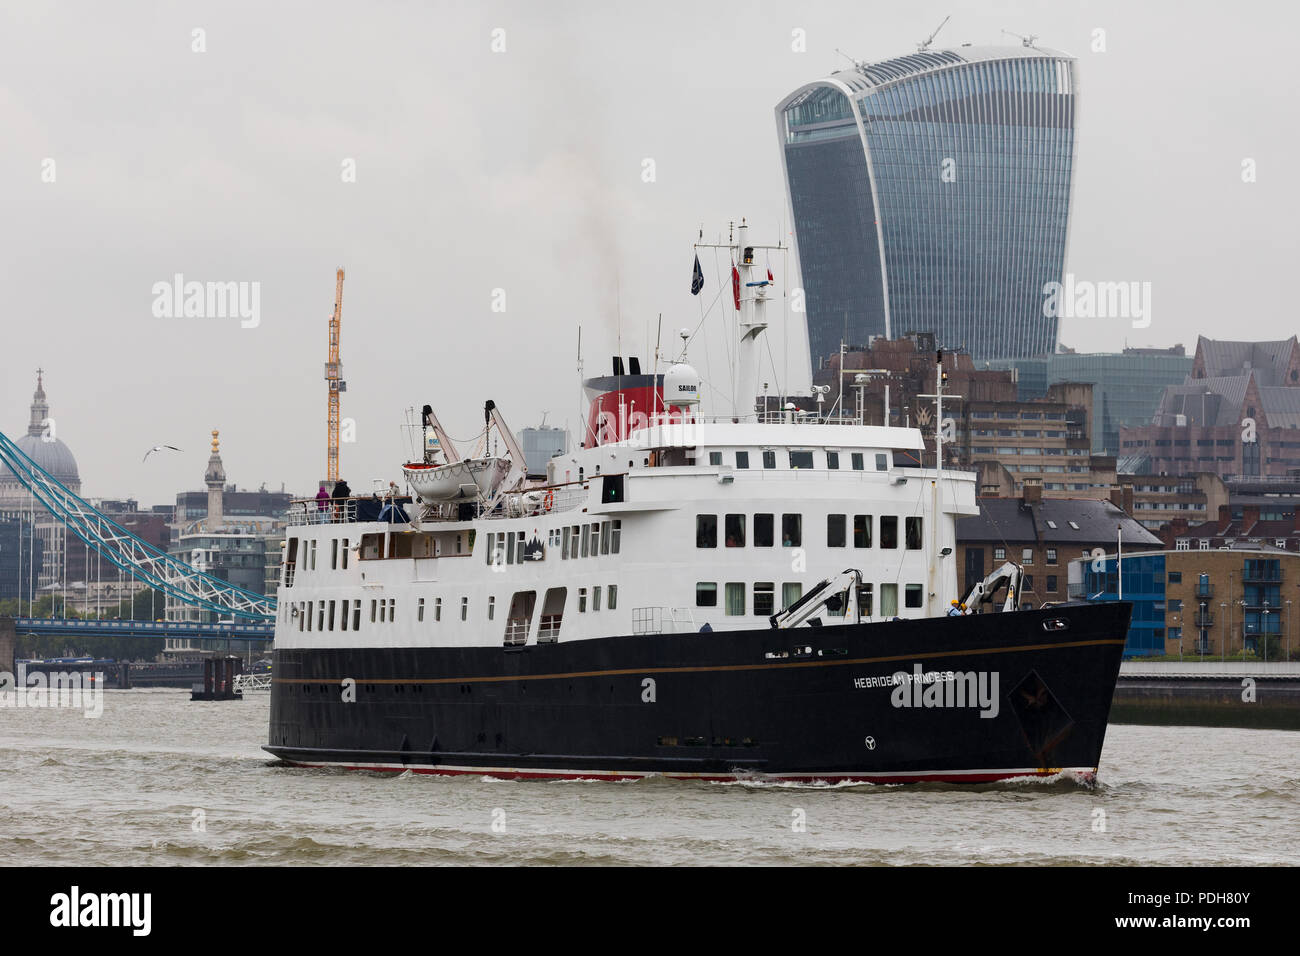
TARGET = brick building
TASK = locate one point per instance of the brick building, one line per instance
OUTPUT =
(1008, 440)
(1203, 603)
(1043, 535)
(1238, 413)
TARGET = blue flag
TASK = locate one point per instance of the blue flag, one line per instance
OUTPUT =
(697, 277)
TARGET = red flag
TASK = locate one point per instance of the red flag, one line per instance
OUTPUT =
(769, 274)
(735, 285)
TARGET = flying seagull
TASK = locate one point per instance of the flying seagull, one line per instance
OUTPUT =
(158, 448)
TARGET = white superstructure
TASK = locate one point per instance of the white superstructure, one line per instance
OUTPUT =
(676, 527)
(666, 522)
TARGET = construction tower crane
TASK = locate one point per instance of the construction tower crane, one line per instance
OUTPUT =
(925, 44)
(334, 380)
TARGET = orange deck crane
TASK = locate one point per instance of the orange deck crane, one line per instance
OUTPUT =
(334, 380)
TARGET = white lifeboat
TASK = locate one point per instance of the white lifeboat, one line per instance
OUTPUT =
(468, 478)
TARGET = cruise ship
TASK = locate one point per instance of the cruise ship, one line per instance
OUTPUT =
(769, 595)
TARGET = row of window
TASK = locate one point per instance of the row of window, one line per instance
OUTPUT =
(1024, 450)
(804, 459)
(1008, 416)
(837, 531)
(345, 614)
(587, 540)
(573, 541)
(1027, 555)
(763, 595)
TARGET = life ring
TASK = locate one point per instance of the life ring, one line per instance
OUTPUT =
(549, 501)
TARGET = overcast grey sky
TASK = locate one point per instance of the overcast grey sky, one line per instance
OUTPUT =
(522, 171)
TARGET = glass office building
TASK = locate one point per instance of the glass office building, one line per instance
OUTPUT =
(932, 193)
(1126, 386)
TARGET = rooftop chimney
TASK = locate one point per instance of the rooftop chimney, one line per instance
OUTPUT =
(1033, 493)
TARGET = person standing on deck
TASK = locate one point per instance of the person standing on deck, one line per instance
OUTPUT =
(340, 498)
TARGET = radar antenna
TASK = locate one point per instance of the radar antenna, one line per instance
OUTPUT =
(925, 44)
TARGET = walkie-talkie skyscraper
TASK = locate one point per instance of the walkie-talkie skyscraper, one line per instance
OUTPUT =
(932, 193)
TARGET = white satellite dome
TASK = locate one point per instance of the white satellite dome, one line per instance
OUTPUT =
(681, 385)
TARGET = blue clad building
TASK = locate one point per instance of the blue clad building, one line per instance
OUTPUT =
(932, 193)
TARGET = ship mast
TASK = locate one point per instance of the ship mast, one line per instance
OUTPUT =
(750, 296)
(936, 592)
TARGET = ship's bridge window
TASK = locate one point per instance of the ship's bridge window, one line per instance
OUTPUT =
(290, 562)
(912, 531)
(801, 459)
(769, 459)
(836, 535)
(864, 600)
(735, 598)
(832, 460)
(735, 529)
(706, 531)
(888, 599)
(857, 461)
(791, 531)
(862, 531)
(763, 527)
(742, 459)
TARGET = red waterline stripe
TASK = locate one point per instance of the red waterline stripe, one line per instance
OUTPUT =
(616, 775)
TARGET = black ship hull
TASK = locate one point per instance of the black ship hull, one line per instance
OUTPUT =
(957, 699)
